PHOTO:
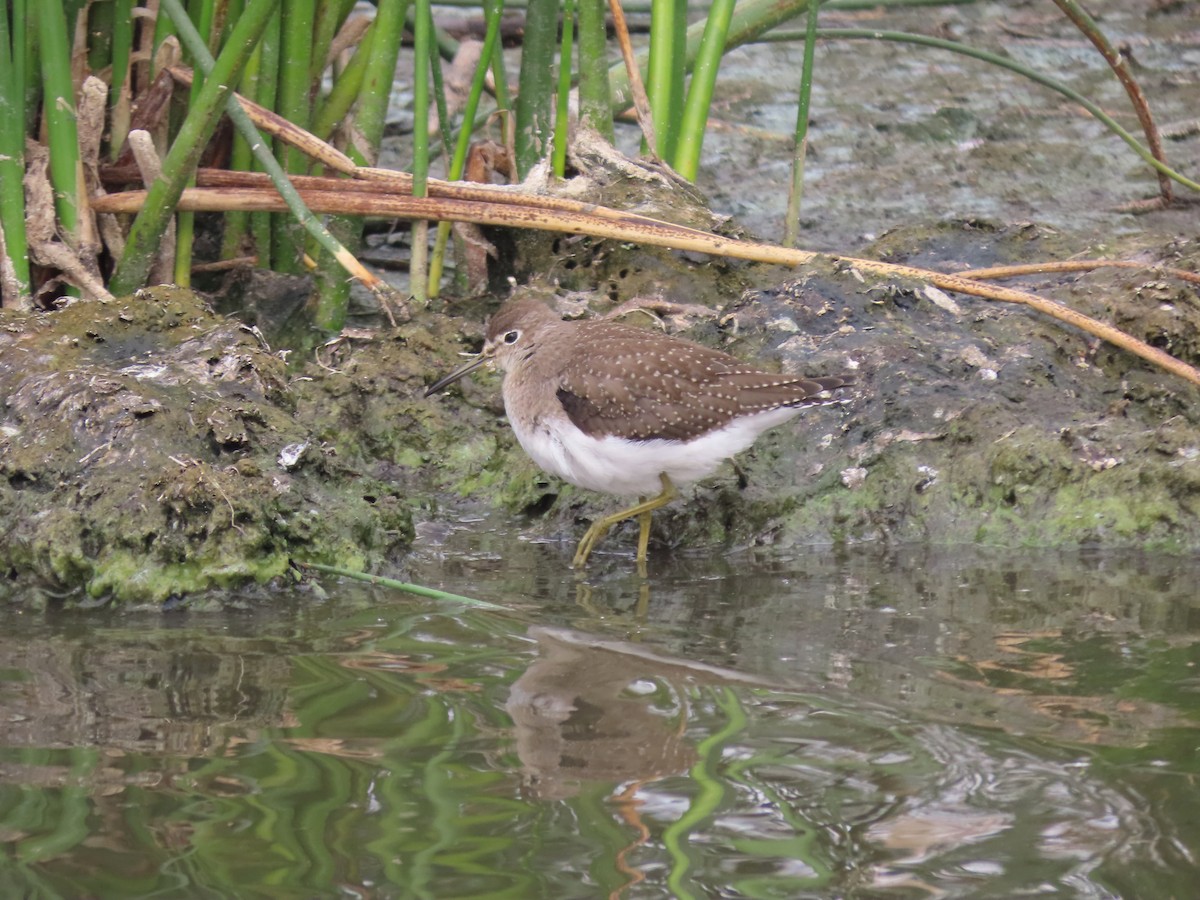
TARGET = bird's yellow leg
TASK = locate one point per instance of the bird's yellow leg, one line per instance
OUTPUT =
(643, 542)
(642, 512)
(643, 535)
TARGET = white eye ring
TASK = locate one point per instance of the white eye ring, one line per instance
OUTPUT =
(511, 337)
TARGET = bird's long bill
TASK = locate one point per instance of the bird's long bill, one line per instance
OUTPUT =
(458, 373)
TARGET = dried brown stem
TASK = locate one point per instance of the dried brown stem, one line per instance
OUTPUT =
(997, 273)
(632, 228)
(641, 103)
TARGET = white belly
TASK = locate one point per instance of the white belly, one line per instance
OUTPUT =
(615, 466)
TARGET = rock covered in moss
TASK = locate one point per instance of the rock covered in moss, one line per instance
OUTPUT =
(149, 448)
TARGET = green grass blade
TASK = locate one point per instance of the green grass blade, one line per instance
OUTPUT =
(595, 95)
(368, 80)
(422, 52)
(163, 28)
(185, 221)
(379, 76)
(266, 90)
(791, 227)
(335, 106)
(434, 265)
(534, 112)
(20, 32)
(101, 16)
(750, 20)
(235, 236)
(58, 99)
(704, 78)
(563, 95)
(439, 96)
(665, 72)
(419, 590)
(12, 163)
(503, 97)
(119, 94)
(330, 16)
(294, 103)
(493, 11)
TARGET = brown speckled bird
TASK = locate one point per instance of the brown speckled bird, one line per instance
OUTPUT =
(628, 411)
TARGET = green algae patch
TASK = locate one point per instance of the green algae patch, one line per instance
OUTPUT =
(150, 449)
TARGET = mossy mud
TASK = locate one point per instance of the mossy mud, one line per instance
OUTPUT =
(973, 421)
(150, 448)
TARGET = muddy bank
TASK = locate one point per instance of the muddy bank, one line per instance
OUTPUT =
(151, 449)
(974, 421)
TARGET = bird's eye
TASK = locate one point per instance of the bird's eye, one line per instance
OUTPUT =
(511, 337)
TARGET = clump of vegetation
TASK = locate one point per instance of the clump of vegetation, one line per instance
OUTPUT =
(122, 119)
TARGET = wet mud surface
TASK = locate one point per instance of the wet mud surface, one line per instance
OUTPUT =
(902, 133)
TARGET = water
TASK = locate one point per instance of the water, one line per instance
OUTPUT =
(954, 723)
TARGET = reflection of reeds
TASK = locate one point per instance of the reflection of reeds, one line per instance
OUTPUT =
(351, 745)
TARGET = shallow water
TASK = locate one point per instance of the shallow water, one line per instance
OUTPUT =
(958, 723)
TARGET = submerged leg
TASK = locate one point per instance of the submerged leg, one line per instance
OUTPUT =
(643, 542)
(643, 534)
(642, 512)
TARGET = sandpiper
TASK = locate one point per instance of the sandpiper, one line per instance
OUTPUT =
(627, 411)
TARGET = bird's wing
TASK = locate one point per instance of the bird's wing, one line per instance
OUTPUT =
(646, 388)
